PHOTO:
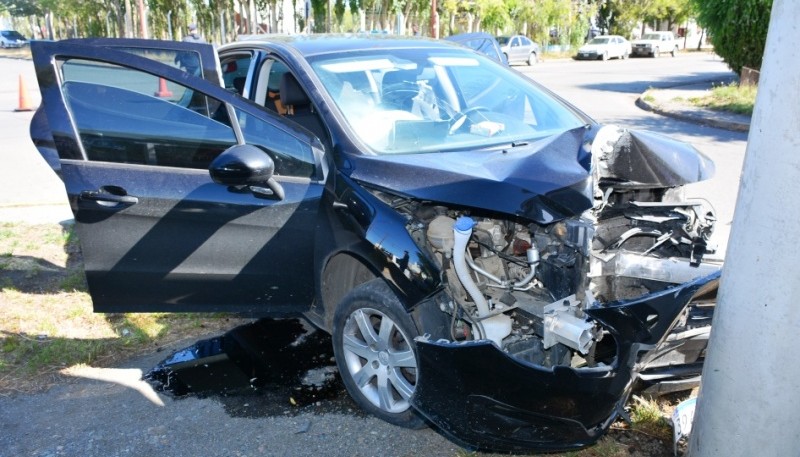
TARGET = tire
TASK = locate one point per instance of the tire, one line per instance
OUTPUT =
(625, 55)
(674, 51)
(532, 59)
(656, 53)
(373, 341)
(604, 57)
(507, 61)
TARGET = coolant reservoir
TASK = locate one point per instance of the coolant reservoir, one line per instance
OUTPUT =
(440, 233)
(497, 328)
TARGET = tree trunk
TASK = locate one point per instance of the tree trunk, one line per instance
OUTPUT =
(128, 19)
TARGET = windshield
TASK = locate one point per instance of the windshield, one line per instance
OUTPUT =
(503, 40)
(433, 100)
(599, 41)
(651, 36)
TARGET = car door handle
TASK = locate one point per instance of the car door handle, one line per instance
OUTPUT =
(105, 197)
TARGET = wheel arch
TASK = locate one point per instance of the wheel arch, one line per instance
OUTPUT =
(343, 272)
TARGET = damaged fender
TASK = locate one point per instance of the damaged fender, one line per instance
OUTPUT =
(484, 399)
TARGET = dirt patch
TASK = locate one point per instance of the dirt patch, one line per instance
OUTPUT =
(47, 323)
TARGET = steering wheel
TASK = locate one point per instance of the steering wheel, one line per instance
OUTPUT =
(461, 117)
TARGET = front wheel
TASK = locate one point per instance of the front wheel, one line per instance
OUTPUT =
(656, 52)
(373, 341)
(532, 59)
(674, 51)
(604, 57)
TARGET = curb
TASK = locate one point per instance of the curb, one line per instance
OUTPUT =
(734, 126)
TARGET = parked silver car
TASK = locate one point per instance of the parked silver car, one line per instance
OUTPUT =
(519, 48)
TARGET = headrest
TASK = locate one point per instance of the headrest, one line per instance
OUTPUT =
(291, 93)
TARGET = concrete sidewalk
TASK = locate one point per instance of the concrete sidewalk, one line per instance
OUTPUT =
(674, 102)
(30, 191)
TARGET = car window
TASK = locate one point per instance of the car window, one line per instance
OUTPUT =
(276, 70)
(291, 156)
(135, 117)
(12, 35)
(121, 119)
(234, 71)
(525, 41)
(138, 81)
(416, 100)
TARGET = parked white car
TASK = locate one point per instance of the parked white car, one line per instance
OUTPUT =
(655, 43)
(605, 47)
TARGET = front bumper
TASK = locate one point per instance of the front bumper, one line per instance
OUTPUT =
(587, 56)
(484, 399)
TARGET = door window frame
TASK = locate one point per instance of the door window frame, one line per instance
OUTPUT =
(47, 56)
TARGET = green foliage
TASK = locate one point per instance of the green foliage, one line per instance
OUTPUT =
(623, 16)
(338, 10)
(647, 416)
(737, 28)
(23, 7)
(320, 10)
(732, 97)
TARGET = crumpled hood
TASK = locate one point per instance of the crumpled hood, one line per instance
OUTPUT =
(544, 181)
(647, 158)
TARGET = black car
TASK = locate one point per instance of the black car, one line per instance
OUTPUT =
(486, 257)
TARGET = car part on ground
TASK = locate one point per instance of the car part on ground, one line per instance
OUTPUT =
(442, 216)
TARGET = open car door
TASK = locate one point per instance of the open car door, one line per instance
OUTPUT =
(139, 140)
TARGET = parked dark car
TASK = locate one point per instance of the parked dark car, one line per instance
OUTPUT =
(481, 42)
(487, 258)
(12, 39)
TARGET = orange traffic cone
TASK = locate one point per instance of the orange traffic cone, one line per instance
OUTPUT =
(24, 101)
(162, 91)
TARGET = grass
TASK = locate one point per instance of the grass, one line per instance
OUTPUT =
(732, 97)
(650, 416)
(46, 319)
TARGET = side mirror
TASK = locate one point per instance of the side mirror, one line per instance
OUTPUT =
(244, 165)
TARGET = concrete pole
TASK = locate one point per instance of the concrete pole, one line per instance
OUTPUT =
(749, 403)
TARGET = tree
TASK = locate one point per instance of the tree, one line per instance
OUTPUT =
(737, 29)
(621, 17)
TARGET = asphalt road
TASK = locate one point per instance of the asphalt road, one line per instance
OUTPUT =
(110, 412)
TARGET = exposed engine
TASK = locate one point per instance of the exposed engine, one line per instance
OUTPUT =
(525, 286)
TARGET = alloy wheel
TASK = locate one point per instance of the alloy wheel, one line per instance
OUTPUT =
(380, 359)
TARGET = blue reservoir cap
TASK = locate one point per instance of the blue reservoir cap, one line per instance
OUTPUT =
(464, 224)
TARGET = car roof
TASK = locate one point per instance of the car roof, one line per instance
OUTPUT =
(316, 44)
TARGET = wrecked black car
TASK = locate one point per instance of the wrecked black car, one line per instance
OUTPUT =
(486, 257)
